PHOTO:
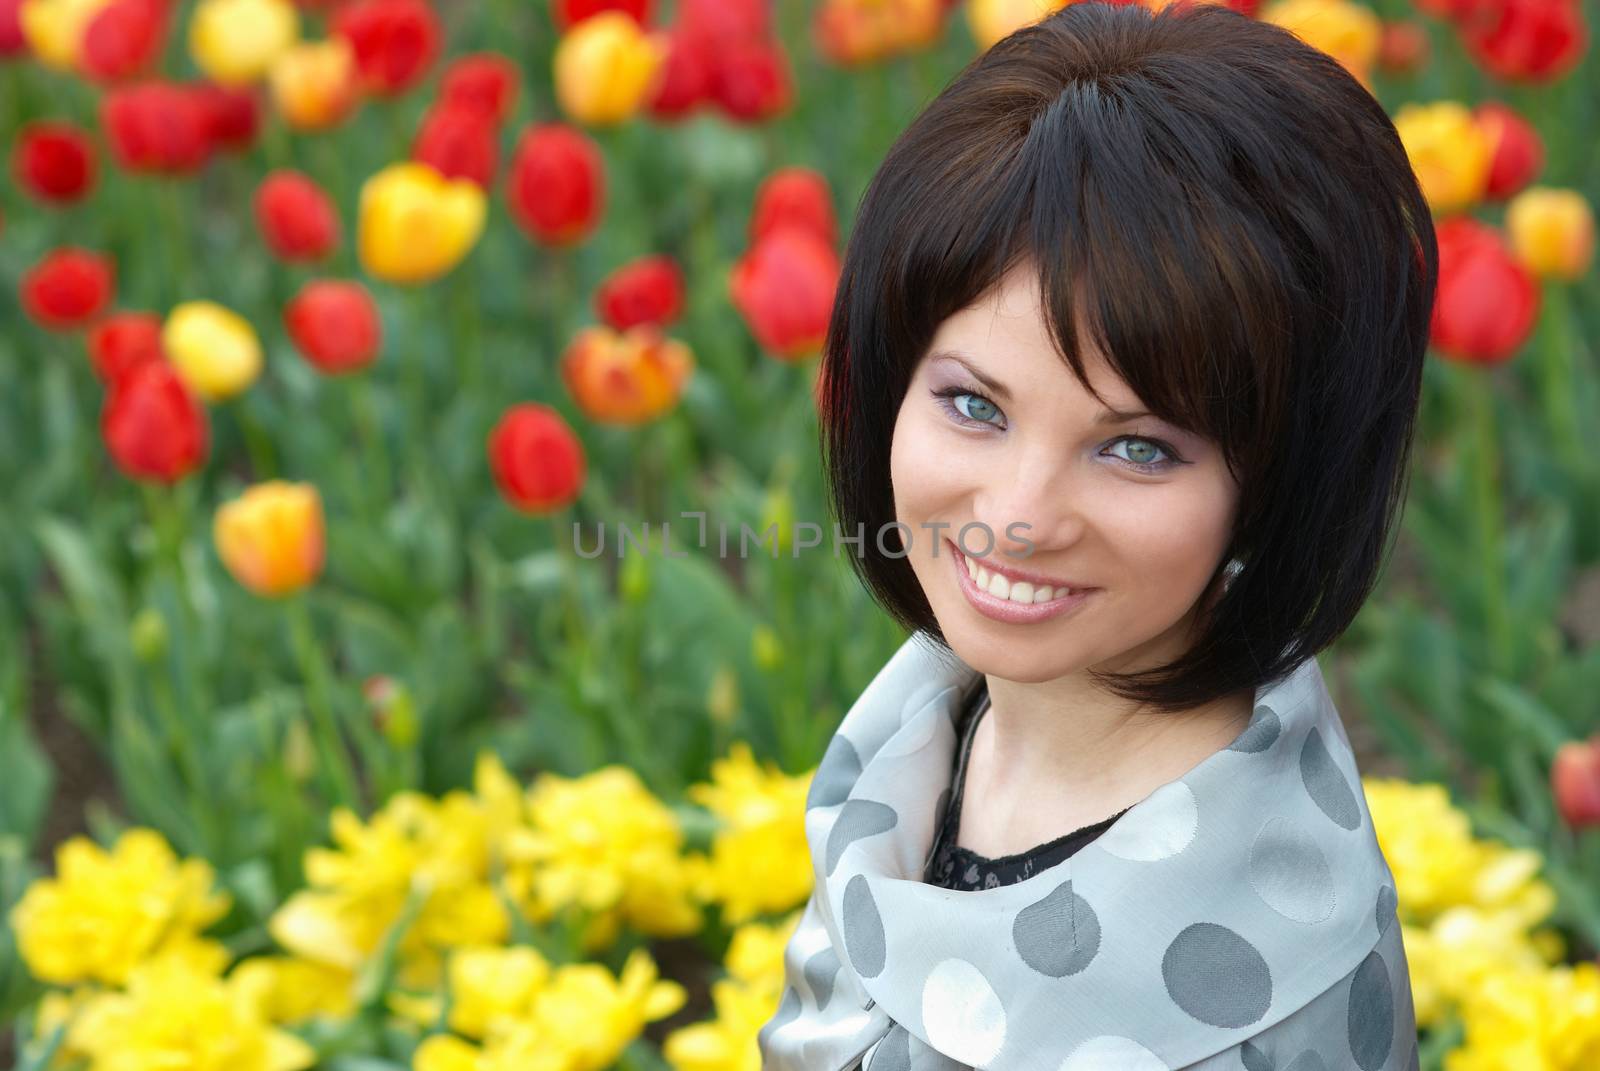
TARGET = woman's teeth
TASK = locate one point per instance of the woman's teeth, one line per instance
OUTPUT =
(1018, 591)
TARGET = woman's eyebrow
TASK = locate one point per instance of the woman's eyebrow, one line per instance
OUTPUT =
(994, 385)
(1106, 416)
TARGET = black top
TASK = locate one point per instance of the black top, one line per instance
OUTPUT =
(954, 867)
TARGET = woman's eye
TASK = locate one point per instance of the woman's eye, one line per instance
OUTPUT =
(1140, 450)
(976, 409)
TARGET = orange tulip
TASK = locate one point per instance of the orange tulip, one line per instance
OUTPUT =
(271, 538)
(628, 377)
(314, 84)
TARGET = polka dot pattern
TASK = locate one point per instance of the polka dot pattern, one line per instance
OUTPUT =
(1250, 886)
(1058, 935)
(836, 774)
(893, 1053)
(820, 971)
(1260, 734)
(858, 819)
(961, 1013)
(1371, 1018)
(1290, 873)
(863, 928)
(1326, 783)
(1217, 976)
(1112, 1053)
(1387, 908)
(1159, 827)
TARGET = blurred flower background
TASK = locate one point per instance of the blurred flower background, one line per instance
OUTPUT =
(322, 744)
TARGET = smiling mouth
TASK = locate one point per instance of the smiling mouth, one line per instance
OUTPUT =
(1014, 589)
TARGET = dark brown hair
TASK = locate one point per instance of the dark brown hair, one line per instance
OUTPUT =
(1254, 258)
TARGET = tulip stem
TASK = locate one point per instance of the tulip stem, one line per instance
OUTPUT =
(337, 767)
(1557, 377)
(364, 402)
(1487, 503)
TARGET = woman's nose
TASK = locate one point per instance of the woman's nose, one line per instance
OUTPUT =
(1030, 506)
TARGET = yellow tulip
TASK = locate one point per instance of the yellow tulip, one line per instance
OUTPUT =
(314, 83)
(1449, 153)
(1552, 231)
(214, 349)
(414, 224)
(604, 66)
(236, 41)
(271, 538)
(990, 20)
(1348, 32)
(54, 28)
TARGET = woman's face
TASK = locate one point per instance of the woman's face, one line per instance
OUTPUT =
(1135, 512)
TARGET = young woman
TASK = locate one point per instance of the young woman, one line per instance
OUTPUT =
(1120, 387)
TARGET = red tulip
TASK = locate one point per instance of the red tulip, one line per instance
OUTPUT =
(459, 143)
(334, 324)
(1518, 151)
(784, 287)
(12, 41)
(153, 425)
(156, 127)
(296, 218)
(54, 161)
(726, 20)
(684, 81)
(482, 82)
(1575, 777)
(556, 190)
(1526, 40)
(752, 82)
(1403, 47)
(124, 39)
(122, 342)
(394, 41)
(568, 12)
(233, 114)
(537, 462)
(794, 196)
(1487, 302)
(68, 288)
(647, 290)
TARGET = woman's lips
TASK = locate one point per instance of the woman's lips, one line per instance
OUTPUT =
(998, 609)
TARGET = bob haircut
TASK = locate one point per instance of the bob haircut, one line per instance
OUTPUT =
(1242, 226)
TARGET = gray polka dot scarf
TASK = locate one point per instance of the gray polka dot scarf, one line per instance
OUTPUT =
(1239, 917)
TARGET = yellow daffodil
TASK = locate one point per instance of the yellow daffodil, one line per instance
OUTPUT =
(414, 224)
(1552, 232)
(991, 20)
(1449, 153)
(438, 850)
(760, 860)
(104, 913)
(290, 990)
(214, 349)
(602, 843)
(314, 84)
(271, 538)
(235, 42)
(604, 67)
(173, 1015)
(602, 1014)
